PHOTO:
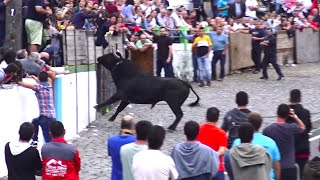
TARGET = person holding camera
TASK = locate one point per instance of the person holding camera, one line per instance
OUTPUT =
(283, 133)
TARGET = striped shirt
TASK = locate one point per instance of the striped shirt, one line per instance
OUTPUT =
(44, 95)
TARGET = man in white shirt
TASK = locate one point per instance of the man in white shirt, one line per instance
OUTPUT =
(129, 150)
(152, 164)
(251, 8)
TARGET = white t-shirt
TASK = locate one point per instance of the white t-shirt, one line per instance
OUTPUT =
(127, 152)
(2, 75)
(250, 13)
(153, 165)
(147, 9)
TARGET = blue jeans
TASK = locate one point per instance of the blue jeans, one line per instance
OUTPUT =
(218, 56)
(278, 8)
(219, 176)
(45, 123)
(168, 69)
(227, 165)
(195, 67)
(204, 67)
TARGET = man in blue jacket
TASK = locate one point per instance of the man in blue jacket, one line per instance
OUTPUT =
(3, 4)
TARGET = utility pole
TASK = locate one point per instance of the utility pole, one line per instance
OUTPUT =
(13, 38)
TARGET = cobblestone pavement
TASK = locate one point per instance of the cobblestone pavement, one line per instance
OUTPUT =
(264, 95)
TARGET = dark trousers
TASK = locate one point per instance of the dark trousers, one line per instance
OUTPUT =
(289, 174)
(215, 11)
(227, 165)
(195, 67)
(216, 57)
(256, 56)
(2, 32)
(301, 163)
(272, 60)
(219, 176)
(200, 13)
(168, 69)
(45, 123)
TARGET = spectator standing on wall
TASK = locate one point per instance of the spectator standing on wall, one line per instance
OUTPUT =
(37, 13)
(301, 140)
(3, 4)
(218, 143)
(152, 164)
(44, 96)
(251, 8)
(204, 45)
(194, 160)
(220, 46)
(248, 160)
(198, 7)
(270, 55)
(23, 161)
(116, 142)
(127, 151)
(237, 10)
(236, 116)
(60, 159)
(283, 134)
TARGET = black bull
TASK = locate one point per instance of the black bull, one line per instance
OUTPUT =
(135, 86)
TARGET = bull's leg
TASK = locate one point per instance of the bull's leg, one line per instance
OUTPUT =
(178, 112)
(121, 107)
(116, 97)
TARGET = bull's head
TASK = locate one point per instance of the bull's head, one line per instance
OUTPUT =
(111, 60)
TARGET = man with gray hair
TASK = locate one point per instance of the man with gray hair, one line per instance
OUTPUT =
(30, 64)
(114, 144)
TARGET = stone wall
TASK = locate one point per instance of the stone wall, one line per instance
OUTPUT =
(240, 51)
(79, 46)
(307, 46)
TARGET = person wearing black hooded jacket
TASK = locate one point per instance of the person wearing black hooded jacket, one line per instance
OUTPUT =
(235, 117)
(302, 145)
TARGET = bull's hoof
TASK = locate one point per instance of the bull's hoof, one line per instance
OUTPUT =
(171, 128)
(170, 131)
(111, 119)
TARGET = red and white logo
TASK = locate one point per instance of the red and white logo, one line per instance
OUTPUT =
(55, 168)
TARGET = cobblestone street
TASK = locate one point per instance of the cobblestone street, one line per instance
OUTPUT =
(264, 95)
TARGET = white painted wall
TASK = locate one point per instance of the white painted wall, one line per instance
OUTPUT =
(20, 105)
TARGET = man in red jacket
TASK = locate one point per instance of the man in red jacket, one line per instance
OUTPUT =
(60, 160)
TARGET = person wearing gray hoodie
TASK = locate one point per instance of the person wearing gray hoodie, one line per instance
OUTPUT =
(194, 160)
(23, 161)
(249, 161)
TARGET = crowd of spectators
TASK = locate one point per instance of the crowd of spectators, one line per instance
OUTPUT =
(140, 20)
(280, 152)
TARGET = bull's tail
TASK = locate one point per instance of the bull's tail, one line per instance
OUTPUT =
(198, 98)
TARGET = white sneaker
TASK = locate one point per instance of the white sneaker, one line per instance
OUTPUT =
(34, 144)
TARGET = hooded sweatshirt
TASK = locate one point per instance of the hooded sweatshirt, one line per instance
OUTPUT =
(195, 160)
(250, 161)
(232, 121)
(312, 169)
(22, 161)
